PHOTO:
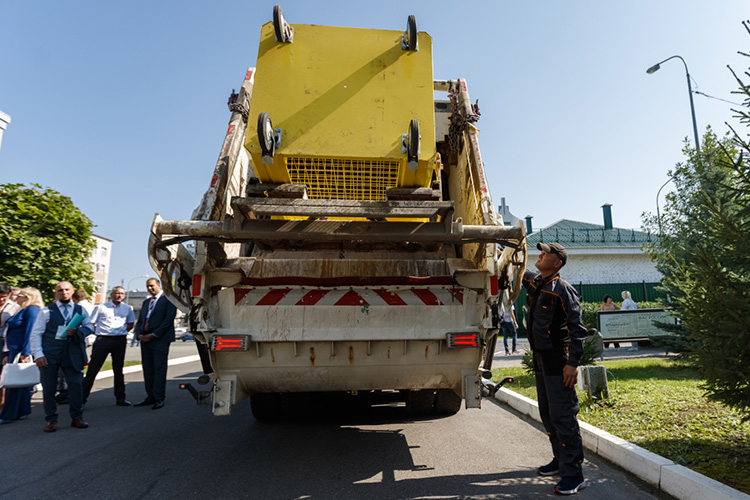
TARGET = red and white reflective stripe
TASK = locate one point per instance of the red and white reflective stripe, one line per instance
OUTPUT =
(434, 296)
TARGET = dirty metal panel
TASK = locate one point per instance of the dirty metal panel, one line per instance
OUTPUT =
(317, 366)
(258, 207)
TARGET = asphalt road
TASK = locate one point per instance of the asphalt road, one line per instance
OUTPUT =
(181, 451)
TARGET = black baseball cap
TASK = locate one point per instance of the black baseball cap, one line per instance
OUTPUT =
(554, 248)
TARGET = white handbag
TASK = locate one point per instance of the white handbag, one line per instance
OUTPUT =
(17, 374)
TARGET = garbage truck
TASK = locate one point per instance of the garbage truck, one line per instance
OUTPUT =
(347, 242)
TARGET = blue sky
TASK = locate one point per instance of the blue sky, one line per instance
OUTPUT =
(121, 105)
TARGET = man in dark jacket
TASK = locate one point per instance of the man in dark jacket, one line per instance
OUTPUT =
(155, 330)
(556, 335)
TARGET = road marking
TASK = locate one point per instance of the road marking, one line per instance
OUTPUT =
(138, 368)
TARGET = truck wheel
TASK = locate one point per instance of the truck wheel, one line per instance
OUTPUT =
(410, 37)
(266, 407)
(447, 402)
(266, 134)
(420, 402)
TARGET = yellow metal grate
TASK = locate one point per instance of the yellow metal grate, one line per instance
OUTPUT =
(338, 179)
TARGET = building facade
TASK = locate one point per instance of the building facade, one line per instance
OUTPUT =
(100, 258)
(4, 121)
(602, 259)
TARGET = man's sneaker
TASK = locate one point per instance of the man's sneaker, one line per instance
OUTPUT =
(549, 470)
(570, 485)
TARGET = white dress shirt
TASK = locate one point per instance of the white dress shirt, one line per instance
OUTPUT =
(87, 306)
(111, 319)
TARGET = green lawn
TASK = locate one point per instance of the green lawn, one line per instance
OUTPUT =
(659, 405)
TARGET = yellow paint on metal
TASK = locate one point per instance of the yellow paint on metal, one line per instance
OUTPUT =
(342, 98)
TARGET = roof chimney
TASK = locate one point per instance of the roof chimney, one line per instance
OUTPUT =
(529, 229)
(607, 210)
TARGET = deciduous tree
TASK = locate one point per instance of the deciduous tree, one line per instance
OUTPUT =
(44, 239)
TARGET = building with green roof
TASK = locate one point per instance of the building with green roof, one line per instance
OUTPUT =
(602, 259)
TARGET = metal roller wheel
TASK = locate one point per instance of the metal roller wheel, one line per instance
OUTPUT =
(410, 36)
(413, 148)
(266, 134)
(280, 26)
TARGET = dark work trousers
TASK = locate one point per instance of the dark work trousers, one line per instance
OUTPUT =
(104, 346)
(154, 356)
(74, 378)
(558, 409)
(509, 331)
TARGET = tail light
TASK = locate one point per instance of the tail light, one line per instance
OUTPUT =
(463, 340)
(230, 343)
(494, 290)
(197, 282)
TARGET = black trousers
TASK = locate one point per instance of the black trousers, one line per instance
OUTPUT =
(155, 355)
(558, 409)
(48, 376)
(104, 346)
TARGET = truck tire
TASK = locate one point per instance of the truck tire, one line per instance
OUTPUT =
(266, 407)
(420, 402)
(447, 402)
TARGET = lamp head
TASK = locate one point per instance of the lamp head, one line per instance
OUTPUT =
(653, 69)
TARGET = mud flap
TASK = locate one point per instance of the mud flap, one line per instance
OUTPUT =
(223, 396)
(472, 391)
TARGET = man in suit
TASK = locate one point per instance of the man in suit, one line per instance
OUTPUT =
(155, 331)
(56, 347)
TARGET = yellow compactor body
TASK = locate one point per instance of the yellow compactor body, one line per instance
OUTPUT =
(342, 99)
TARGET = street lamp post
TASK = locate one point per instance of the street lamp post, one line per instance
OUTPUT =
(127, 290)
(658, 216)
(654, 69)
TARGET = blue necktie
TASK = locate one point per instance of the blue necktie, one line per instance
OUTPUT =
(66, 313)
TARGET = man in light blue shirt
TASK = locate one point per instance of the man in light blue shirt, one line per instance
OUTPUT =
(111, 323)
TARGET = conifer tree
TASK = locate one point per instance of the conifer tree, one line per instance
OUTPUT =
(704, 255)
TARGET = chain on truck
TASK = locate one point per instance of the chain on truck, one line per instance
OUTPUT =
(347, 242)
